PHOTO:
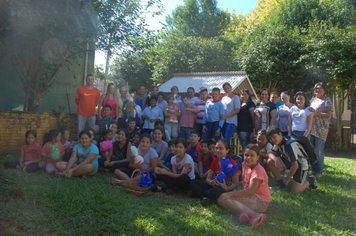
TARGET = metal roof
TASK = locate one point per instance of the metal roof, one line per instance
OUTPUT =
(207, 79)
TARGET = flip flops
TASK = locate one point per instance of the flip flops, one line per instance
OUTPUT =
(256, 220)
(114, 181)
(244, 218)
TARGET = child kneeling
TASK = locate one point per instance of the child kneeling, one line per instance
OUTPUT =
(255, 197)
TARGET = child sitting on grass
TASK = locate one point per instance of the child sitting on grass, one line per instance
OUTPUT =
(205, 159)
(52, 150)
(132, 128)
(182, 170)
(255, 196)
(194, 149)
(264, 146)
(210, 189)
(294, 160)
(136, 139)
(67, 145)
(30, 155)
(166, 161)
(212, 146)
(166, 136)
(105, 143)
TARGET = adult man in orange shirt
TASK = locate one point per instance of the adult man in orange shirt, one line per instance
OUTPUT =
(87, 98)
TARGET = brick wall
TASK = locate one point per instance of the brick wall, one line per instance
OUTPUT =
(14, 124)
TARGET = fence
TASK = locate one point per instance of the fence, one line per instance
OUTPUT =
(14, 124)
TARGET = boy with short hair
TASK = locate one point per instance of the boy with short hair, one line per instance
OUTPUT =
(132, 127)
(194, 149)
(106, 120)
(211, 146)
(212, 122)
(293, 159)
(166, 161)
(187, 120)
(205, 159)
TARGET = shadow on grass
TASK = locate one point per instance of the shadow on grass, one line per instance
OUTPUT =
(41, 204)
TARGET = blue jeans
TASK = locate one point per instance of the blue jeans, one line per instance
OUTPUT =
(318, 144)
(244, 138)
(82, 120)
(212, 128)
(299, 134)
(228, 131)
(185, 133)
(199, 128)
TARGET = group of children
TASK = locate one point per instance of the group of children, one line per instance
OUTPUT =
(207, 168)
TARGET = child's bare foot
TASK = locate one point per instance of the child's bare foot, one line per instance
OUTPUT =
(114, 181)
(58, 174)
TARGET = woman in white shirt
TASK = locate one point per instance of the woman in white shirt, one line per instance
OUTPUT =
(300, 118)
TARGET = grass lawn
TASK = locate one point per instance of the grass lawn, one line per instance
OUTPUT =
(40, 204)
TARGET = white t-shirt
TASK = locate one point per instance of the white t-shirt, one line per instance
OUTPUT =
(193, 100)
(299, 118)
(230, 105)
(179, 166)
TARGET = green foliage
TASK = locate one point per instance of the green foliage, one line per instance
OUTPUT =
(270, 56)
(339, 147)
(198, 18)
(61, 116)
(191, 54)
(40, 204)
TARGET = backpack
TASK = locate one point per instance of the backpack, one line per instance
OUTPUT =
(306, 148)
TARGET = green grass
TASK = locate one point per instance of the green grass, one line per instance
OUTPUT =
(40, 204)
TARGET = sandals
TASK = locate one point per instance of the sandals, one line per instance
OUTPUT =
(256, 220)
(114, 181)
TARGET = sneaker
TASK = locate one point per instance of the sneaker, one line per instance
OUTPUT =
(278, 187)
(313, 185)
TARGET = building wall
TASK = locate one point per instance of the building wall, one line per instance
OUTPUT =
(14, 125)
(12, 95)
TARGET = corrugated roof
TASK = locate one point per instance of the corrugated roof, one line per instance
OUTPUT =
(208, 80)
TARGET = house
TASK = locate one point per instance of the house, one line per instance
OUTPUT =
(238, 80)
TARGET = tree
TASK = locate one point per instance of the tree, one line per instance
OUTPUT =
(270, 56)
(191, 54)
(198, 18)
(332, 51)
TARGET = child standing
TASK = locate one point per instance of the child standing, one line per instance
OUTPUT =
(255, 196)
(30, 155)
(107, 120)
(52, 150)
(293, 159)
(210, 189)
(205, 159)
(171, 112)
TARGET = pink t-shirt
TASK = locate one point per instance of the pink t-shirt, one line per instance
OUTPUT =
(187, 119)
(31, 153)
(112, 103)
(257, 172)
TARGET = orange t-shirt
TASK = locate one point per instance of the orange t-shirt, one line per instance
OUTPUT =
(46, 150)
(87, 100)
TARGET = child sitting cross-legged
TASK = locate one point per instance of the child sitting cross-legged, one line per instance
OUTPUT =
(255, 196)
(293, 159)
(52, 150)
(194, 150)
(205, 159)
(166, 161)
(30, 155)
(182, 170)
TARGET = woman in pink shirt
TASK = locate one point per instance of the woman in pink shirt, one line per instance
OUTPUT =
(109, 98)
(255, 197)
